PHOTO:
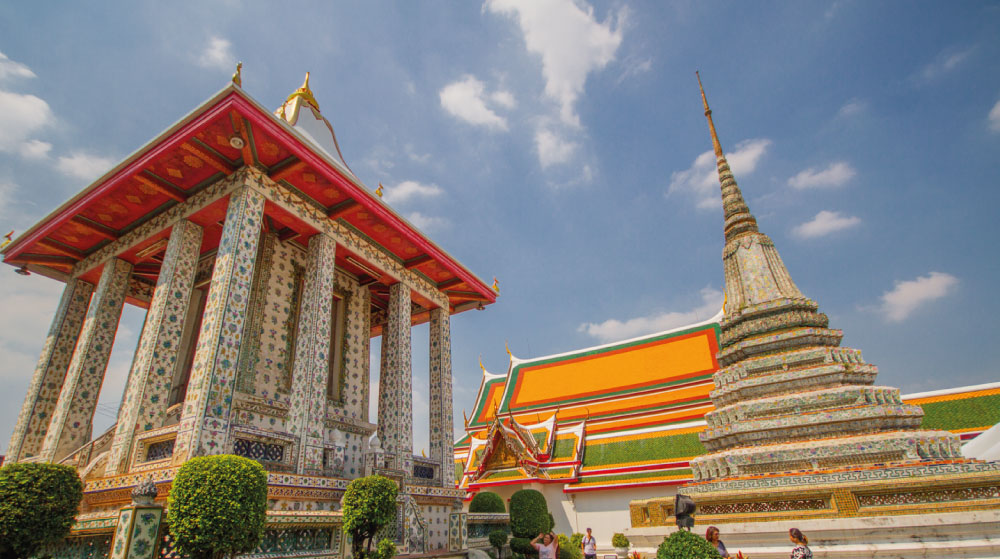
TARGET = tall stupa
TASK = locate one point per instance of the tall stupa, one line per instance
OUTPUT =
(799, 427)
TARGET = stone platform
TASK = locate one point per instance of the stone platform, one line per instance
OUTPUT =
(973, 534)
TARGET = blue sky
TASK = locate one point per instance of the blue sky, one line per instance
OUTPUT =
(561, 147)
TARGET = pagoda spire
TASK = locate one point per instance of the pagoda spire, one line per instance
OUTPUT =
(739, 220)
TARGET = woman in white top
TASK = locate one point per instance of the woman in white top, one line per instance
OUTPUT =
(549, 546)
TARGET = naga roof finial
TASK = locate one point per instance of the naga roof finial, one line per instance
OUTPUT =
(238, 76)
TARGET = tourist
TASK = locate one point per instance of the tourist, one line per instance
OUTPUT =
(589, 545)
(712, 535)
(801, 550)
(549, 548)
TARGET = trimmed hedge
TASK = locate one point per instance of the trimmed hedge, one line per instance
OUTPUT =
(369, 503)
(38, 503)
(487, 501)
(685, 545)
(216, 506)
(529, 514)
(498, 539)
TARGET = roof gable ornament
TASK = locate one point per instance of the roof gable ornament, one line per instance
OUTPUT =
(238, 76)
(317, 129)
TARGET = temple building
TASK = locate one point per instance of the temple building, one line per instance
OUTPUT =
(266, 267)
(758, 414)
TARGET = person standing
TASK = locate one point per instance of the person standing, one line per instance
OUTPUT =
(801, 549)
(549, 546)
(589, 546)
(712, 535)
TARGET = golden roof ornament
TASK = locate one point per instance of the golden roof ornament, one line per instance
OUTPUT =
(304, 93)
(7, 239)
(238, 76)
(378, 191)
(496, 286)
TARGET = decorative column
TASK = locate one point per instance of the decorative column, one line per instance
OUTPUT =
(74, 412)
(312, 355)
(148, 392)
(441, 417)
(137, 535)
(395, 386)
(204, 425)
(47, 381)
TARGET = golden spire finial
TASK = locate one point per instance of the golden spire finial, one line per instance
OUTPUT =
(708, 115)
(496, 285)
(481, 366)
(466, 416)
(378, 191)
(238, 76)
(7, 239)
(507, 347)
(305, 93)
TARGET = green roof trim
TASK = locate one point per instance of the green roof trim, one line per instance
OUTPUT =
(967, 413)
(662, 448)
(564, 448)
(484, 393)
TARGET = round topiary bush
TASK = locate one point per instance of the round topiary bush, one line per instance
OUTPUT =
(529, 515)
(38, 503)
(216, 506)
(619, 540)
(487, 501)
(685, 545)
(523, 546)
(498, 539)
(369, 503)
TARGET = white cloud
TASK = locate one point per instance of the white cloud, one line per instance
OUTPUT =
(34, 149)
(944, 63)
(504, 98)
(634, 67)
(553, 149)
(426, 222)
(20, 117)
(407, 190)
(701, 179)
(83, 165)
(466, 99)
(11, 69)
(570, 41)
(824, 223)
(217, 55)
(835, 174)
(614, 330)
(853, 107)
(907, 296)
(994, 117)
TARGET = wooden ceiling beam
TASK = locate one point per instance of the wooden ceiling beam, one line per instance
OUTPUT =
(449, 283)
(284, 171)
(95, 228)
(44, 260)
(216, 162)
(60, 248)
(416, 261)
(287, 233)
(160, 185)
(342, 208)
(241, 127)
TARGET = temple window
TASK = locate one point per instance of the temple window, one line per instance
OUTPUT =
(338, 326)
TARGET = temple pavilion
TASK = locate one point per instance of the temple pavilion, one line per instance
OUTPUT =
(756, 413)
(266, 267)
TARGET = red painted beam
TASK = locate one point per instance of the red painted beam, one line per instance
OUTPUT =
(214, 161)
(342, 208)
(161, 186)
(284, 171)
(95, 228)
(416, 261)
(58, 247)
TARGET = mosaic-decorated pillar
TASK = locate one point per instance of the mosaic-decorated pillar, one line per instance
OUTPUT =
(204, 425)
(441, 417)
(312, 355)
(148, 392)
(138, 533)
(73, 416)
(46, 383)
(395, 386)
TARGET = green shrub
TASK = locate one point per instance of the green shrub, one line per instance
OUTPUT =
(529, 515)
(685, 545)
(577, 540)
(619, 540)
(386, 549)
(498, 539)
(37, 505)
(216, 506)
(565, 553)
(369, 503)
(552, 523)
(572, 548)
(523, 547)
(487, 501)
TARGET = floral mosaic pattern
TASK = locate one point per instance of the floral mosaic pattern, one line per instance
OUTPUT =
(72, 419)
(148, 392)
(312, 355)
(395, 397)
(250, 352)
(204, 424)
(46, 383)
(441, 422)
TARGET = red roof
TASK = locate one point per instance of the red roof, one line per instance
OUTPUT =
(197, 152)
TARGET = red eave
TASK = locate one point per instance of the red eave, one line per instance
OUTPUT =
(229, 107)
